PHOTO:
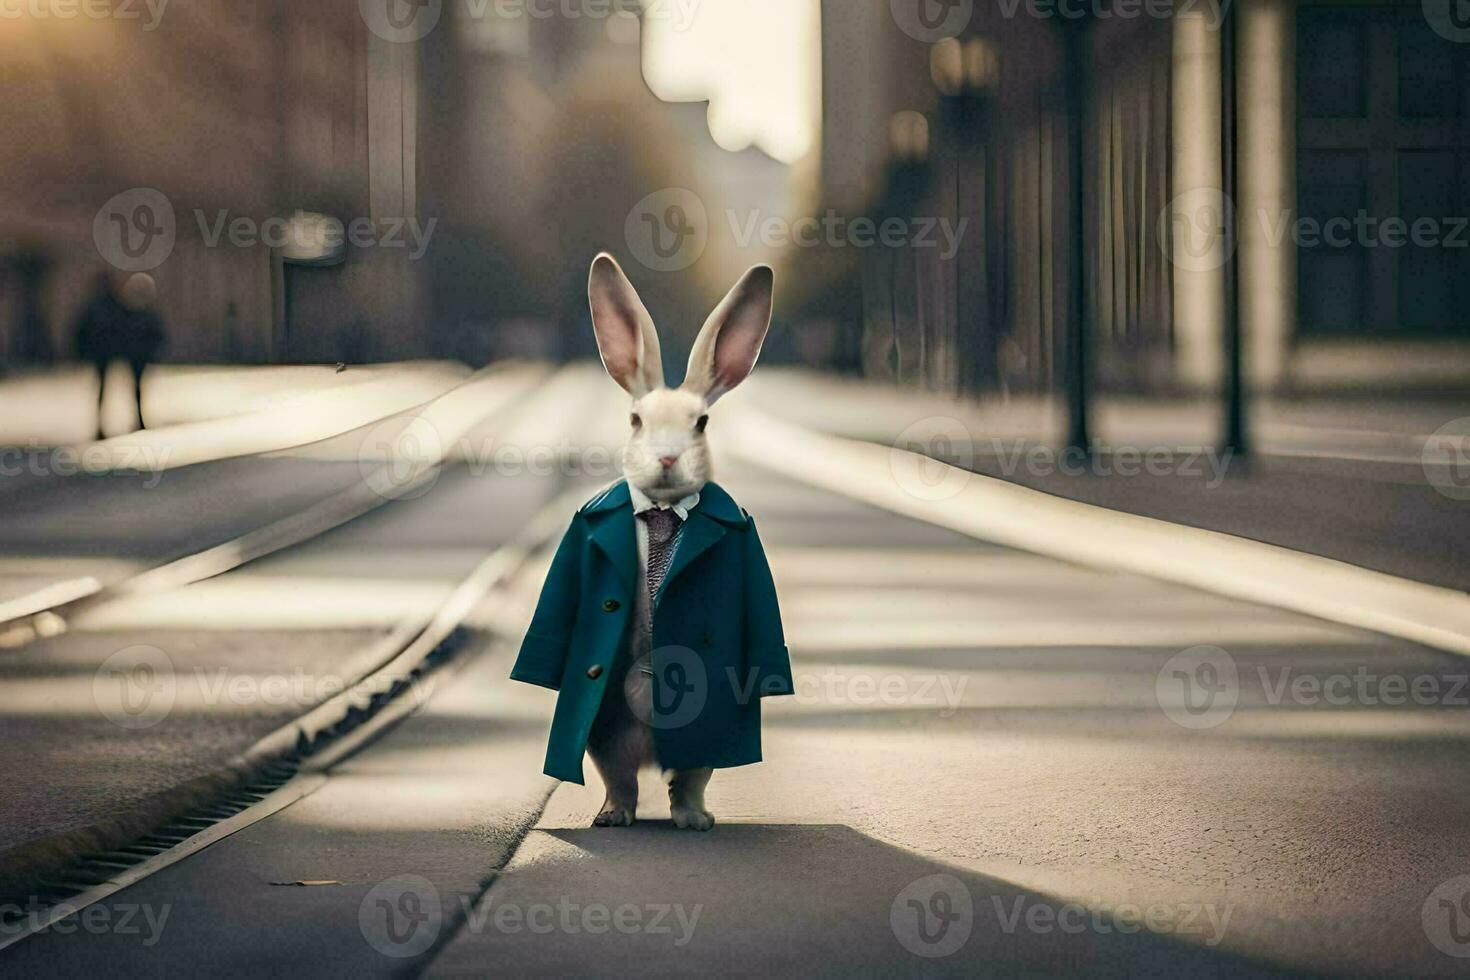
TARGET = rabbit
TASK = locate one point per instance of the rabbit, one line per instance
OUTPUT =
(666, 460)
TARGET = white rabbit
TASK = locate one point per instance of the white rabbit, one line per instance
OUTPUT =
(666, 460)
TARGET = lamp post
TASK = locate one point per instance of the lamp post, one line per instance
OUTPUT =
(1077, 378)
(964, 71)
(906, 183)
(1237, 436)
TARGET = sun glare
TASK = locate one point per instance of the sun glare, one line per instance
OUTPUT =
(758, 62)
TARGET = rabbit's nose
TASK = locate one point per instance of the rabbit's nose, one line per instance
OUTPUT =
(668, 461)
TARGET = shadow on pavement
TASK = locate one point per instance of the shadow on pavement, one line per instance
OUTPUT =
(774, 899)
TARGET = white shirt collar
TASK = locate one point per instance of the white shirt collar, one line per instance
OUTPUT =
(642, 502)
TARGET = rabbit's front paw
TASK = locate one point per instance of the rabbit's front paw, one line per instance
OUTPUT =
(614, 816)
(688, 818)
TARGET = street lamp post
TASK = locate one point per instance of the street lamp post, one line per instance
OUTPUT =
(1237, 439)
(964, 72)
(1078, 361)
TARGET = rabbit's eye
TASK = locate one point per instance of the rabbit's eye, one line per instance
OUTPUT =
(700, 425)
(637, 421)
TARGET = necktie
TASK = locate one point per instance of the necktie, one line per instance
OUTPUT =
(663, 536)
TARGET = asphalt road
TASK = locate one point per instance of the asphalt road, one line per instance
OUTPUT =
(147, 697)
(993, 766)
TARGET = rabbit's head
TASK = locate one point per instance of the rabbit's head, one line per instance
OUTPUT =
(668, 456)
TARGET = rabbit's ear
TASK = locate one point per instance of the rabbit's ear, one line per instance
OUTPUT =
(730, 342)
(626, 337)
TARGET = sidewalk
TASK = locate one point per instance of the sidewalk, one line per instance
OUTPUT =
(1340, 479)
(58, 407)
(298, 436)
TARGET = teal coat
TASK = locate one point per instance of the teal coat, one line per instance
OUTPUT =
(718, 647)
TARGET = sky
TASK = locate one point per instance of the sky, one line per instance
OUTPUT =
(758, 62)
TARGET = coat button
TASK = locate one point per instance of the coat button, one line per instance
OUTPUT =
(706, 639)
(594, 672)
(611, 605)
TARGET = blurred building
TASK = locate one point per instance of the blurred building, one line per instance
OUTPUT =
(233, 112)
(486, 160)
(482, 161)
(1348, 111)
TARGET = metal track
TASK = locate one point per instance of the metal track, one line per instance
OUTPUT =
(292, 762)
(44, 613)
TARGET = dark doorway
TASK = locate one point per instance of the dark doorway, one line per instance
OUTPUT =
(1384, 133)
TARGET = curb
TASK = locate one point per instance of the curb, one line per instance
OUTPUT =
(1030, 520)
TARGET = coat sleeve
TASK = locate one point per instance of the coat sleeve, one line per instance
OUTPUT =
(543, 653)
(766, 659)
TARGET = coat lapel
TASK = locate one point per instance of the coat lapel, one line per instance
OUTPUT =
(612, 531)
(701, 533)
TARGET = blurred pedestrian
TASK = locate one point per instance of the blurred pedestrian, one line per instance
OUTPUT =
(120, 323)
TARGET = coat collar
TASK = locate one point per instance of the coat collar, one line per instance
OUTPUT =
(714, 503)
(611, 514)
